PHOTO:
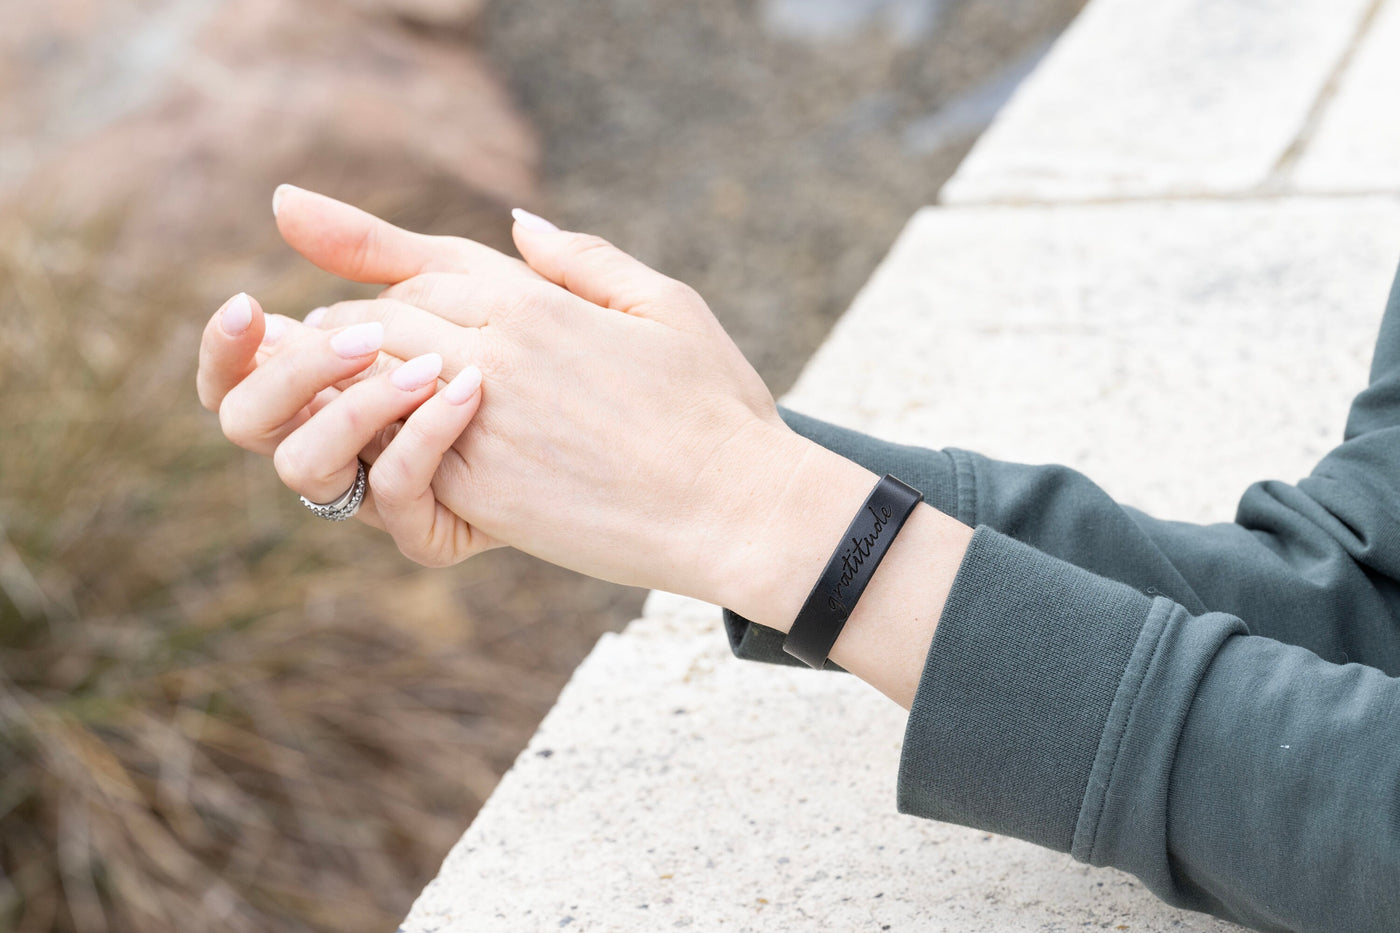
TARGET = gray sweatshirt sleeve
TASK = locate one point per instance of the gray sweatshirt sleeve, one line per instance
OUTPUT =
(1312, 564)
(1172, 699)
(1233, 774)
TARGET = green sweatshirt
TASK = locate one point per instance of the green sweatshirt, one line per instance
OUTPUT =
(1213, 708)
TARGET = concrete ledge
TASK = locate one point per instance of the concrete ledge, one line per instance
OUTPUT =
(1174, 350)
(1357, 144)
(674, 787)
(1173, 98)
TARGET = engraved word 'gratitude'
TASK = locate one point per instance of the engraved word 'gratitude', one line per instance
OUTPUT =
(854, 558)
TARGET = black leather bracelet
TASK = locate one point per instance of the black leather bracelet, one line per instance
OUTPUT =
(841, 584)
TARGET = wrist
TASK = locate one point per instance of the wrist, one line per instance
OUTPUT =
(793, 512)
(780, 530)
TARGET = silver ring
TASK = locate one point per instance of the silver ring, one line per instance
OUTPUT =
(348, 504)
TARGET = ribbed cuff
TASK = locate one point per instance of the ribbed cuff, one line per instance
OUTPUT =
(1016, 691)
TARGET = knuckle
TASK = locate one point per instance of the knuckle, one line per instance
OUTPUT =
(423, 553)
(673, 291)
(356, 311)
(465, 253)
(354, 420)
(523, 305)
(392, 315)
(298, 469)
(587, 245)
(493, 358)
(290, 464)
(420, 555)
(415, 291)
(334, 316)
(235, 420)
(389, 481)
(366, 248)
(412, 550)
(415, 435)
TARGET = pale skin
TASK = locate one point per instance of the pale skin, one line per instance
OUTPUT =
(576, 405)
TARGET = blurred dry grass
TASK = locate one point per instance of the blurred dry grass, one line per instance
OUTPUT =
(216, 712)
(211, 714)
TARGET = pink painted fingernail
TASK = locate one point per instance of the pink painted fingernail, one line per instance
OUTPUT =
(314, 316)
(358, 340)
(417, 372)
(274, 327)
(532, 221)
(277, 196)
(463, 386)
(237, 315)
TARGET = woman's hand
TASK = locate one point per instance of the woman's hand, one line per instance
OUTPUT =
(240, 339)
(620, 431)
(622, 434)
(274, 383)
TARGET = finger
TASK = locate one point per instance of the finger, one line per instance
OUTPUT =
(273, 399)
(367, 512)
(356, 245)
(475, 301)
(228, 348)
(595, 270)
(411, 331)
(402, 478)
(319, 460)
(277, 326)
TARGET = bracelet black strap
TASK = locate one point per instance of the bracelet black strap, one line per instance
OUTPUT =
(841, 584)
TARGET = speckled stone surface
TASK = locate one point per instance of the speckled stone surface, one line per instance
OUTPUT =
(1356, 146)
(1173, 350)
(1166, 98)
(673, 787)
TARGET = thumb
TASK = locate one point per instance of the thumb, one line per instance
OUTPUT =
(596, 271)
(356, 245)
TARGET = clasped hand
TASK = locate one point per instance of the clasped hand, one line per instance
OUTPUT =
(594, 412)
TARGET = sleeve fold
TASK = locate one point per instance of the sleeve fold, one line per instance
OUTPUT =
(1017, 691)
(1233, 774)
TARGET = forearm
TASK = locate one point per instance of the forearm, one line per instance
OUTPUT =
(1293, 565)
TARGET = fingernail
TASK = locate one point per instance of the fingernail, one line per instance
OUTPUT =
(275, 325)
(417, 372)
(463, 386)
(358, 339)
(314, 316)
(532, 221)
(237, 315)
(277, 196)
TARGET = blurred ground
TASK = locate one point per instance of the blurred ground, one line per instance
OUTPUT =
(215, 712)
(767, 153)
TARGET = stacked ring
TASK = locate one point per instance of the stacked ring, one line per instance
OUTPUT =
(348, 504)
